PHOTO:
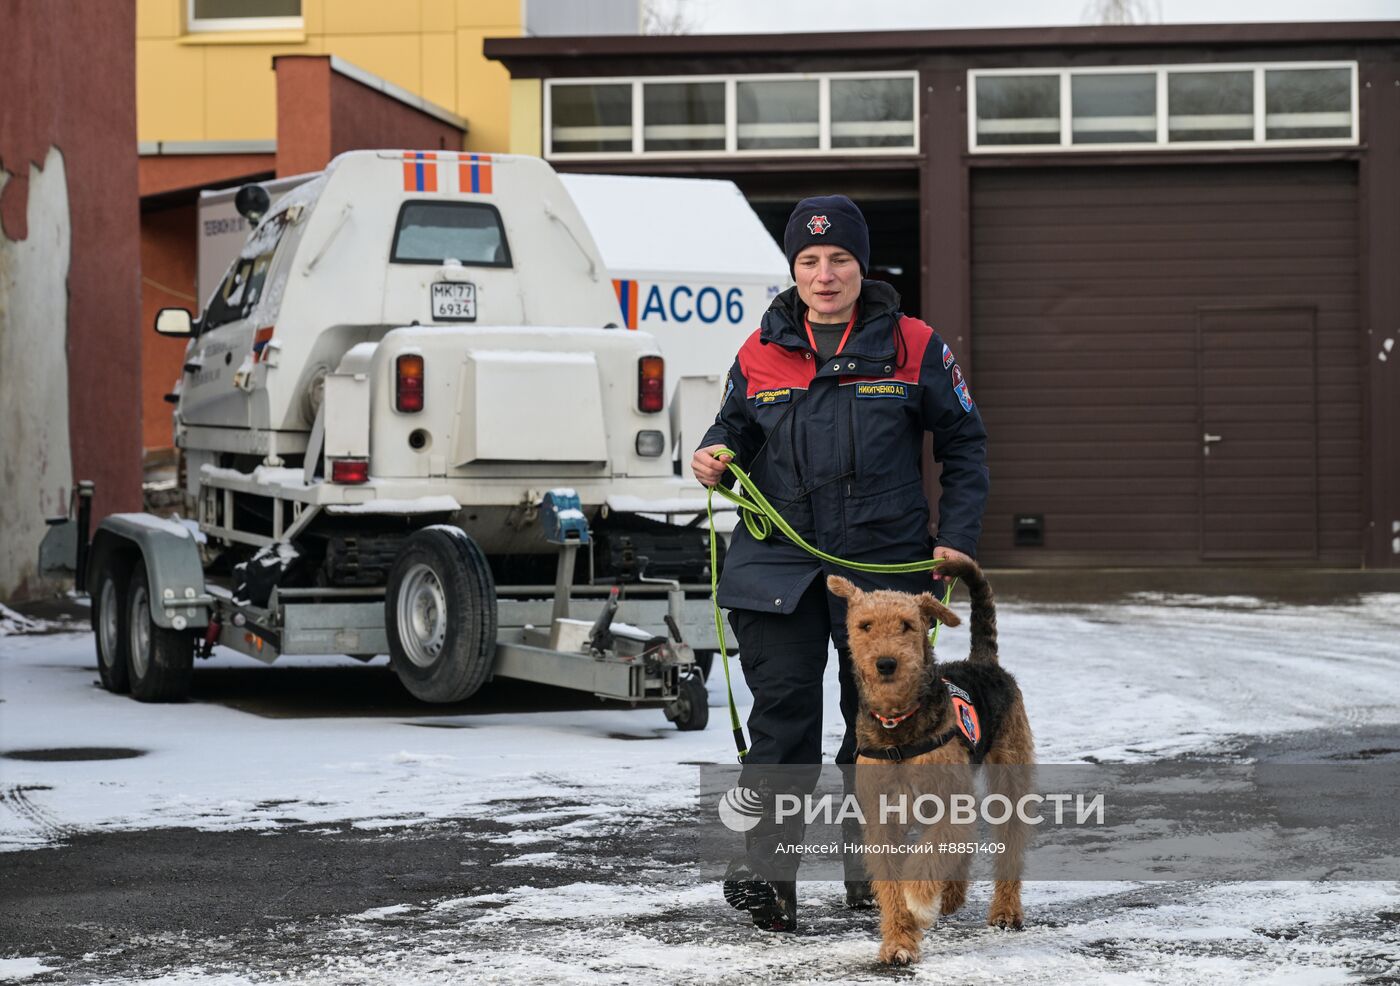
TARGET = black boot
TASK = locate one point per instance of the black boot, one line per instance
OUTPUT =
(764, 881)
(771, 904)
(859, 896)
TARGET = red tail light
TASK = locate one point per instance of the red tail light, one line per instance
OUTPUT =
(651, 384)
(408, 383)
(349, 472)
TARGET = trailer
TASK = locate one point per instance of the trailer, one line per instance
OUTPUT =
(410, 423)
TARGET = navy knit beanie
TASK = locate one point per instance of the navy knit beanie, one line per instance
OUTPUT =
(827, 219)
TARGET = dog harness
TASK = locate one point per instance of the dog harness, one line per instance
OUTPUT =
(966, 726)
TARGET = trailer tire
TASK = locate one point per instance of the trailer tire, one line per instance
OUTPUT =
(109, 621)
(160, 661)
(691, 709)
(440, 613)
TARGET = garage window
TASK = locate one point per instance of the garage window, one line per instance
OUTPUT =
(1161, 106)
(683, 116)
(836, 112)
(1210, 106)
(1114, 109)
(779, 113)
(872, 113)
(1300, 104)
(591, 118)
(1018, 109)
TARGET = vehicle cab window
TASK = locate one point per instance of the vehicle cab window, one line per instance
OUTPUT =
(246, 279)
(467, 232)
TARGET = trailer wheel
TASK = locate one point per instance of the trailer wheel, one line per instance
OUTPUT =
(440, 612)
(109, 623)
(160, 661)
(691, 709)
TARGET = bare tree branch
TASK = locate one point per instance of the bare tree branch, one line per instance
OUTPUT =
(1122, 12)
(668, 16)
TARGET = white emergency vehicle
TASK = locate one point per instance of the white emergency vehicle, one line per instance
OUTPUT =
(411, 422)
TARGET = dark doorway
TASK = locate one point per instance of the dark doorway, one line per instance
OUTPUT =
(889, 200)
(1258, 394)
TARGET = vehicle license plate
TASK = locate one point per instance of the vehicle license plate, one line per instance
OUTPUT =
(454, 301)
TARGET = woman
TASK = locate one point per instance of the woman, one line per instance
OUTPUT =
(826, 407)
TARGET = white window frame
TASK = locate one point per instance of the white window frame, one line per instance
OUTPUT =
(731, 117)
(1160, 142)
(207, 24)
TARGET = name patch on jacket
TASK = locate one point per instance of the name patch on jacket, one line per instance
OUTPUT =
(781, 396)
(870, 391)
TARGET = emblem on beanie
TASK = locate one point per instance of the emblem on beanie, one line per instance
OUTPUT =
(818, 225)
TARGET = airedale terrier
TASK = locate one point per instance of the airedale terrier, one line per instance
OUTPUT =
(915, 711)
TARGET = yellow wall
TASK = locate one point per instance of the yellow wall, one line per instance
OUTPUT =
(220, 86)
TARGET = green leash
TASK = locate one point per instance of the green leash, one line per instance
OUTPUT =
(760, 518)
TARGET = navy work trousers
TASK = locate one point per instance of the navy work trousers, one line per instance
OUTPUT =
(784, 660)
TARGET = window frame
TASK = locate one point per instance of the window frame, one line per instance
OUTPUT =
(731, 117)
(1161, 143)
(505, 263)
(206, 25)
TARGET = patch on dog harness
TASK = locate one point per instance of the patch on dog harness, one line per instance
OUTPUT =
(870, 391)
(774, 396)
(964, 713)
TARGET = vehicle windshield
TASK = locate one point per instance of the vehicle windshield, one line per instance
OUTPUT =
(242, 286)
(434, 232)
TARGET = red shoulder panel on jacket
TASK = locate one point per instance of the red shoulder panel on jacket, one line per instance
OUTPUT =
(916, 335)
(771, 367)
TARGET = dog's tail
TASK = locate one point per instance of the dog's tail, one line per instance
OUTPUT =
(984, 609)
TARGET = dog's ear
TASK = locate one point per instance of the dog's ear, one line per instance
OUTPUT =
(933, 609)
(844, 588)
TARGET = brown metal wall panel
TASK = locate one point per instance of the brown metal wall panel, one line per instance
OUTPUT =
(1087, 286)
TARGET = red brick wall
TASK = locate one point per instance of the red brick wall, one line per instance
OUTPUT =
(68, 69)
(168, 273)
(321, 113)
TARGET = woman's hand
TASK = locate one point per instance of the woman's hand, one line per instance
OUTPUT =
(706, 467)
(943, 551)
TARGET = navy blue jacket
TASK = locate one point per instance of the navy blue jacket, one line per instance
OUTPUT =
(837, 444)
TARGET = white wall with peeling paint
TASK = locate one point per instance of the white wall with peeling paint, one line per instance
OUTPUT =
(36, 463)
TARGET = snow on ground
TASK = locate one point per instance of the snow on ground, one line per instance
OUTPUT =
(1149, 678)
(13, 970)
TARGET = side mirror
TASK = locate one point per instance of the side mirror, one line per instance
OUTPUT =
(174, 322)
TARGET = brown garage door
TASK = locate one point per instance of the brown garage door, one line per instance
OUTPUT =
(1120, 315)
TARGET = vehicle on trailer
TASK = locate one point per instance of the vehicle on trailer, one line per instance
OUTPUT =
(411, 424)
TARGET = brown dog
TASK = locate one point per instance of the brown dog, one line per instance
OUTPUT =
(914, 712)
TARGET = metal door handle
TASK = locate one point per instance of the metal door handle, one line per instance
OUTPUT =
(1208, 438)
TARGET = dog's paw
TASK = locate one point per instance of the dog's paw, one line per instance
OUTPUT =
(1006, 918)
(893, 953)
